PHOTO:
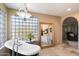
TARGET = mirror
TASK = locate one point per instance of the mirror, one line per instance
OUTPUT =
(47, 34)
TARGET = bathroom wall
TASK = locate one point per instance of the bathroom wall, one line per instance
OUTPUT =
(4, 51)
(57, 21)
(51, 19)
(3, 7)
(43, 19)
(75, 15)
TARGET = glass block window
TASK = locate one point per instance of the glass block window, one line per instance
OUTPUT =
(21, 28)
(2, 28)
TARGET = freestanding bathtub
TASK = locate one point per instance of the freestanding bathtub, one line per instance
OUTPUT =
(24, 48)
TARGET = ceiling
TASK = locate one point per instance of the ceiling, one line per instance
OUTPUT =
(56, 9)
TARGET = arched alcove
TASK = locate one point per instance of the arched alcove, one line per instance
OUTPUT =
(70, 30)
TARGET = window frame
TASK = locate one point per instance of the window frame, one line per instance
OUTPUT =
(23, 24)
(3, 16)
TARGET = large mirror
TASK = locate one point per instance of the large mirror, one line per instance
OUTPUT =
(47, 34)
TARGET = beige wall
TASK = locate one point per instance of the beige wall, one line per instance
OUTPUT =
(51, 19)
(57, 21)
(42, 17)
(75, 15)
(3, 7)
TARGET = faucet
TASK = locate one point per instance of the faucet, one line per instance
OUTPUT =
(14, 44)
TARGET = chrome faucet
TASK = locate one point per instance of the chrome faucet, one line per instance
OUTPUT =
(15, 46)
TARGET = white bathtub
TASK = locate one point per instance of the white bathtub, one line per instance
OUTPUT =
(24, 48)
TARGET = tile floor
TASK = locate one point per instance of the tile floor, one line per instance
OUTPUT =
(60, 50)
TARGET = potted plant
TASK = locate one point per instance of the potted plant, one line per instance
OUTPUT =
(30, 36)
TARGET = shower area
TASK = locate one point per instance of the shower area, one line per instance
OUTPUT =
(70, 32)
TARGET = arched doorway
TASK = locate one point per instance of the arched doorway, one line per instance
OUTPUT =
(70, 31)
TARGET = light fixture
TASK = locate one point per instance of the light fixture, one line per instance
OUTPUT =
(69, 9)
(23, 12)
